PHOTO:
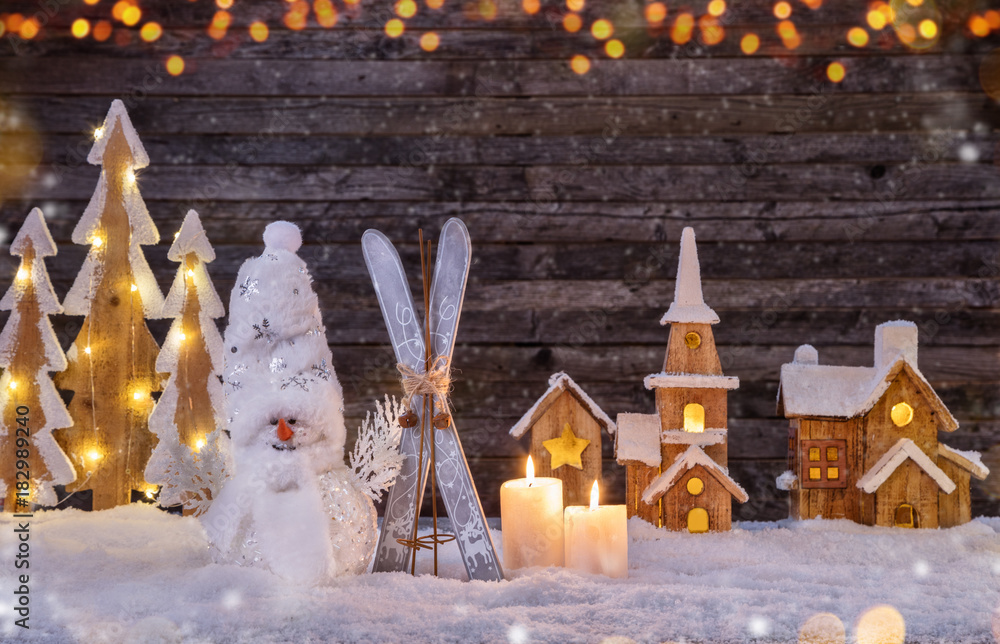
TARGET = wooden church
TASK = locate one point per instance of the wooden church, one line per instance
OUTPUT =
(676, 459)
(863, 441)
(565, 425)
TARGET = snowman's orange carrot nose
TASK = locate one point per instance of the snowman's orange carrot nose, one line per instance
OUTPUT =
(284, 431)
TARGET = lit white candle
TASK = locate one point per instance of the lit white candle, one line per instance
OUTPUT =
(531, 520)
(597, 538)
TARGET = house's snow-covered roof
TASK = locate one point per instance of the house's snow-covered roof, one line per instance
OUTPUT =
(689, 303)
(894, 457)
(638, 438)
(847, 392)
(665, 380)
(971, 461)
(558, 383)
(691, 457)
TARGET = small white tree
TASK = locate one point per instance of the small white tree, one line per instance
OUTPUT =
(376, 459)
(30, 406)
(190, 460)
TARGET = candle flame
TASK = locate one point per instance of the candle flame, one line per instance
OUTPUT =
(595, 496)
(530, 472)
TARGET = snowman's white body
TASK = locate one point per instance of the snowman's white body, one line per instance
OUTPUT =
(292, 505)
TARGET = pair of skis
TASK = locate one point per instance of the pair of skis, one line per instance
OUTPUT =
(406, 332)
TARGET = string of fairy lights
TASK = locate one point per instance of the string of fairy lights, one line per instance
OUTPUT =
(915, 24)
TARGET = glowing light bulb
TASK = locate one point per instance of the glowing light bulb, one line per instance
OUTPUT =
(137, 395)
(86, 350)
(97, 241)
(199, 443)
(595, 496)
(98, 133)
(190, 273)
(22, 274)
(13, 384)
(94, 455)
(134, 288)
(150, 493)
(182, 336)
(130, 176)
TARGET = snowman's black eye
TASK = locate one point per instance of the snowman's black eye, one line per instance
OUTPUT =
(274, 422)
(291, 421)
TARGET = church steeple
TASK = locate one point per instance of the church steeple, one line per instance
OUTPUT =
(689, 305)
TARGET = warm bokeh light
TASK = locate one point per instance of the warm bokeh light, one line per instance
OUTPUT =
(656, 13)
(813, 4)
(151, 32)
(91, 2)
(749, 44)
(487, 9)
(992, 19)
(80, 28)
(406, 8)
(118, 10)
(580, 64)
(915, 3)
(782, 10)
(394, 28)
(712, 32)
(602, 29)
(906, 33)
(224, 4)
(572, 23)
(876, 19)
(102, 30)
(823, 628)
(680, 33)
(429, 41)
(835, 72)
(86, 350)
(29, 29)
(431, 4)
(175, 65)
(295, 20)
(14, 22)
(575, 5)
(928, 29)
(716, 8)
(131, 16)
(979, 26)
(13, 384)
(881, 625)
(138, 395)
(614, 48)
(789, 35)
(857, 36)
(258, 31)
(326, 13)
(94, 455)
(531, 7)
(222, 19)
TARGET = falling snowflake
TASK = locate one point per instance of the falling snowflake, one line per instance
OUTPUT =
(248, 288)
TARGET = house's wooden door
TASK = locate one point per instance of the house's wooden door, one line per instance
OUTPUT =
(697, 520)
(906, 516)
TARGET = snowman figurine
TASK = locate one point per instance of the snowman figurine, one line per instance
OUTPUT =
(292, 505)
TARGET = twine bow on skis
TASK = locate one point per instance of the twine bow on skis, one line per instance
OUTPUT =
(434, 382)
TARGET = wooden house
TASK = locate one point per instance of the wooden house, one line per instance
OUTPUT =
(863, 441)
(676, 459)
(565, 425)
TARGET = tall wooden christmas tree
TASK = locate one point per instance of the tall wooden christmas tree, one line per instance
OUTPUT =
(30, 406)
(112, 363)
(190, 459)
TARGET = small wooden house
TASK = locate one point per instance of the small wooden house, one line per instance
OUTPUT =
(565, 425)
(863, 441)
(676, 460)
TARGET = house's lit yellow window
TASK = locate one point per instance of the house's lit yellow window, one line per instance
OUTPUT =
(694, 418)
(692, 340)
(815, 474)
(813, 453)
(832, 473)
(902, 414)
(831, 454)
(695, 486)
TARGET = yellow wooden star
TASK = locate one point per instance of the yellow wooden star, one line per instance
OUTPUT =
(567, 449)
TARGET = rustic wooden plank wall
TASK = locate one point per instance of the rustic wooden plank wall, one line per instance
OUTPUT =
(821, 209)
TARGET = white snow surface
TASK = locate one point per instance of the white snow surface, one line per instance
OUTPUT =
(136, 574)
(689, 303)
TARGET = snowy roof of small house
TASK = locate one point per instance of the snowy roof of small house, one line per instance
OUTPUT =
(688, 459)
(638, 438)
(558, 383)
(828, 391)
(665, 380)
(894, 457)
(689, 303)
(971, 461)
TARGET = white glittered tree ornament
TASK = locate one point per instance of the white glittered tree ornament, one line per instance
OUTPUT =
(293, 505)
(112, 363)
(30, 406)
(190, 460)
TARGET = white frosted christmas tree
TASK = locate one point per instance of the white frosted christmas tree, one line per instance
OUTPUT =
(189, 462)
(293, 505)
(112, 363)
(30, 406)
